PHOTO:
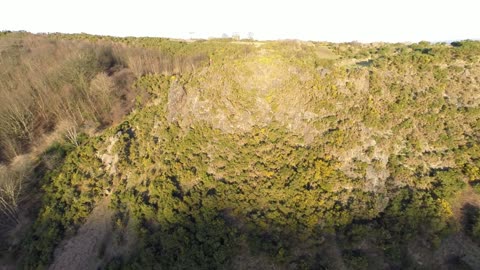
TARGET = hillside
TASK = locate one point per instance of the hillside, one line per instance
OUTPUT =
(145, 153)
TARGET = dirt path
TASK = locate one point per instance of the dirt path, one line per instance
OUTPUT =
(83, 251)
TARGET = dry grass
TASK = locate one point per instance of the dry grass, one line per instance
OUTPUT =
(45, 81)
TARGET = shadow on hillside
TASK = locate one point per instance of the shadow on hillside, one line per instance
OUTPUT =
(471, 214)
(219, 239)
(212, 236)
(365, 63)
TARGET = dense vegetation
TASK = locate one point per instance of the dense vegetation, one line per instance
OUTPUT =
(225, 154)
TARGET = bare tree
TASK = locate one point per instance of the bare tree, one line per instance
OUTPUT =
(17, 118)
(69, 129)
(12, 185)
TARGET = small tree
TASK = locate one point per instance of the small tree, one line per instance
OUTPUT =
(72, 135)
(70, 130)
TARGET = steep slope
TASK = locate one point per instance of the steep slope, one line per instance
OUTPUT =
(278, 155)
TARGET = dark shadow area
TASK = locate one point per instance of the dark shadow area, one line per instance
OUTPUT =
(457, 262)
(213, 235)
(16, 221)
(470, 216)
(365, 63)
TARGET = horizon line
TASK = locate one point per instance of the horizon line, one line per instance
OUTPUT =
(235, 36)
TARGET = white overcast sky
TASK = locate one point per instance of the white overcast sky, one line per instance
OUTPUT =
(334, 20)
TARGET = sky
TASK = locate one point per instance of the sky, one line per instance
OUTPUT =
(334, 20)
